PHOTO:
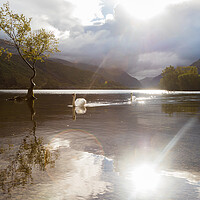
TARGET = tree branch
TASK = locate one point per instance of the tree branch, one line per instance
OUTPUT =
(30, 66)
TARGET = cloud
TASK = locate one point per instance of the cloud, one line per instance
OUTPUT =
(103, 32)
(153, 63)
(142, 46)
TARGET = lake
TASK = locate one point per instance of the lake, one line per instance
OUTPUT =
(113, 149)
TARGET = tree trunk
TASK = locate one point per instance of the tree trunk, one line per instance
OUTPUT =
(30, 94)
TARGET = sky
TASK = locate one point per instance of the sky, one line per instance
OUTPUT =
(140, 36)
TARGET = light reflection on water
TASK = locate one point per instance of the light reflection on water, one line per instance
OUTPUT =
(78, 174)
(158, 92)
(108, 152)
(89, 91)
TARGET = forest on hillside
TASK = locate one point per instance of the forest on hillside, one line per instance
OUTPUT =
(180, 78)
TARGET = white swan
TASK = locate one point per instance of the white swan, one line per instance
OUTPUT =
(80, 102)
(133, 98)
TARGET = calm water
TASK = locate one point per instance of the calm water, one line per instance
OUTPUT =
(114, 149)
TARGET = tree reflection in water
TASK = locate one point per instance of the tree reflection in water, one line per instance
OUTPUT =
(31, 154)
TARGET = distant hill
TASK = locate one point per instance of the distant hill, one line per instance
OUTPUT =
(58, 73)
(151, 82)
(196, 64)
(15, 74)
(114, 74)
(8, 45)
(145, 81)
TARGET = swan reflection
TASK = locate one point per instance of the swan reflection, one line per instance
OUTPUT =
(79, 111)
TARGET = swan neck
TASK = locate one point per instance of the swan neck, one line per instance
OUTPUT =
(73, 100)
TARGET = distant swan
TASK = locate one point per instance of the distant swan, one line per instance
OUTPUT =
(133, 98)
(79, 102)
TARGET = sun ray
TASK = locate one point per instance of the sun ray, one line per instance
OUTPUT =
(96, 72)
(176, 138)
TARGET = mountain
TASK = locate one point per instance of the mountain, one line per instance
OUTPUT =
(156, 81)
(146, 81)
(58, 73)
(50, 74)
(151, 82)
(120, 76)
(115, 74)
(196, 64)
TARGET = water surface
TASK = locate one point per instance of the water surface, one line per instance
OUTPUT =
(112, 149)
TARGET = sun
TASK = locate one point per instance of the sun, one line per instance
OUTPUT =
(146, 9)
(145, 178)
(141, 9)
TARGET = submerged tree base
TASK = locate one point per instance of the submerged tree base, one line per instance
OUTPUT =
(21, 98)
(29, 97)
(30, 94)
(16, 98)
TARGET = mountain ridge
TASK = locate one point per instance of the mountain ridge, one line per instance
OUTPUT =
(59, 73)
(56, 73)
(115, 74)
(196, 64)
(50, 75)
